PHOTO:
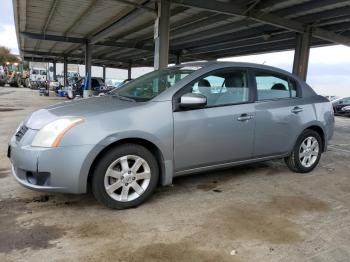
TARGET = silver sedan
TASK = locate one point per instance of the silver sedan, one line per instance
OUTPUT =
(176, 121)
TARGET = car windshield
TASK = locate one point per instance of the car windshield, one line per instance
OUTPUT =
(152, 84)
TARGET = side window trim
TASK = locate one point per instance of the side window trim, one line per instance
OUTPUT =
(186, 89)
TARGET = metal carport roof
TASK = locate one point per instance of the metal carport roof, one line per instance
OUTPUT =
(122, 31)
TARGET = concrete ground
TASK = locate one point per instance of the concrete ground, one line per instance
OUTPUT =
(260, 212)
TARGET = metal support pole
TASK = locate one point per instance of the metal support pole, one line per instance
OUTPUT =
(65, 79)
(161, 35)
(178, 59)
(54, 70)
(301, 55)
(87, 86)
(129, 71)
(104, 73)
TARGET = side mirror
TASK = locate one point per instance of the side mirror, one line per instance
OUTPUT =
(191, 100)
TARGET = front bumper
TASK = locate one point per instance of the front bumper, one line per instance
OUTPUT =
(59, 169)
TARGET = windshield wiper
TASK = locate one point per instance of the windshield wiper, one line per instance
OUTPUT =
(124, 98)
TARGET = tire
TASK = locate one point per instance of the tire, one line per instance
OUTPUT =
(70, 94)
(296, 161)
(111, 163)
(27, 83)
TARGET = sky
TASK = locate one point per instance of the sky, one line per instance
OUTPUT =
(328, 72)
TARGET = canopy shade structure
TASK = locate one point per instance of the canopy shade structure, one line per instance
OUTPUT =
(122, 32)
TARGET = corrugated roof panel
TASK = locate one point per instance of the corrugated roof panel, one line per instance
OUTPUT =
(191, 28)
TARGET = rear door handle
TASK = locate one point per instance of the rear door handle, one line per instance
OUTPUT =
(297, 109)
(245, 117)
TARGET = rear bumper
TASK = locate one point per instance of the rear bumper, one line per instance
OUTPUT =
(50, 169)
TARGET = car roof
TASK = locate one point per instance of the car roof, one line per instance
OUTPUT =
(220, 64)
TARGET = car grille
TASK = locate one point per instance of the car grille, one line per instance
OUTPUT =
(20, 133)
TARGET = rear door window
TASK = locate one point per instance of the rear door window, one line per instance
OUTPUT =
(271, 87)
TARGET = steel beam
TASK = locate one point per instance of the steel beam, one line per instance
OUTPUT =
(47, 21)
(109, 63)
(57, 56)
(263, 17)
(104, 73)
(54, 70)
(65, 71)
(122, 22)
(324, 15)
(301, 54)
(311, 7)
(259, 40)
(129, 71)
(136, 5)
(88, 58)
(50, 15)
(56, 38)
(178, 59)
(161, 35)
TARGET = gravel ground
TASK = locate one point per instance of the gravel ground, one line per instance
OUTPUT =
(260, 212)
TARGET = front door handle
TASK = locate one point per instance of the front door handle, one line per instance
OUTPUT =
(297, 109)
(245, 117)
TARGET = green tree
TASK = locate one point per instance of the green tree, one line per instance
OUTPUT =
(6, 56)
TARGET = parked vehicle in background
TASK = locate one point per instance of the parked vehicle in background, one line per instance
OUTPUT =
(113, 83)
(171, 122)
(124, 82)
(3, 78)
(76, 89)
(331, 98)
(72, 77)
(54, 85)
(37, 78)
(345, 110)
(13, 74)
(338, 105)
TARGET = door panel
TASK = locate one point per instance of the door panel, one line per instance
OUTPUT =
(212, 136)
(278, 114)
(276, 126)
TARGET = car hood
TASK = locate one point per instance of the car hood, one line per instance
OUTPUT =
(79, 108)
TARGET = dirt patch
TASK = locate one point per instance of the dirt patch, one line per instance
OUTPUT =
(269, 221)
(89, 230)
(206, 187)
(164, 252)
(344, 188)
(275, 167)
(4, 172)
(297, 204)
(8, 109)
(16, 236)
(6, 93)
(41, 198)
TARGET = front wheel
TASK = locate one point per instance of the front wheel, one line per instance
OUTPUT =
(125, 176)
(306, 153)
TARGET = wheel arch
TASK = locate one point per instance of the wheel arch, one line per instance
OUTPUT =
(319, 130)
(152, 147)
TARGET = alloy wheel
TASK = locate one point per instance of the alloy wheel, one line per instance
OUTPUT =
(309, 151)
(127, 178)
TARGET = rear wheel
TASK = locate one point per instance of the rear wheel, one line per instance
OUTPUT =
(306, 153)
(70, 94)
(125, 176)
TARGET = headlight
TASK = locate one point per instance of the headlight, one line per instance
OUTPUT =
(52, 134)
